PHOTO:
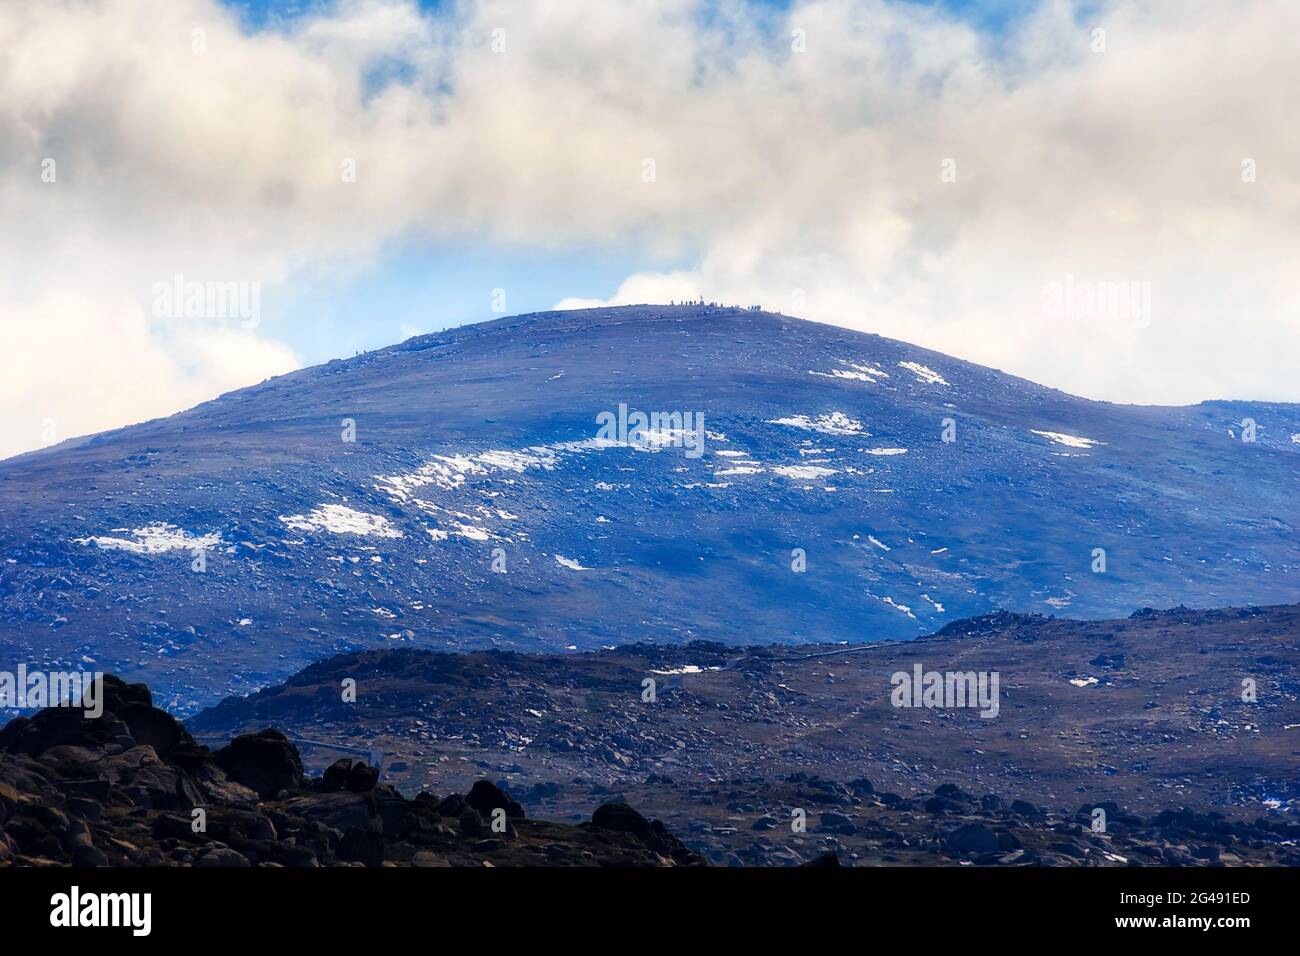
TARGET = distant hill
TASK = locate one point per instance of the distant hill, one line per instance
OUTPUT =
(481, 446)
(1141, 716)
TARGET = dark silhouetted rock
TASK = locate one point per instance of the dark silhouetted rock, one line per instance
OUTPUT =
(829, 858)
(485, 796)
(265, 762)
(972, 838)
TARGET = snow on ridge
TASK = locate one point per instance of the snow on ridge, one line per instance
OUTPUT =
(899, 607)
(340, 519)
(157, 538)
(854, 371)
(450, 472)
(937, 605)
(836, 423)
(1069, 441)
(923, 374)
(803, 471)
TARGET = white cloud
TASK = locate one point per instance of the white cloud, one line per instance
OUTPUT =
(774, 171)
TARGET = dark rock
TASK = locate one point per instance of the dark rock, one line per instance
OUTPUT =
(941, 805)
(335, 777)
(362, 777)
(220, 857)
(471, 823)
(265, 762)
(620, 818)
(153, 728)
(972, 838)
(862, 787)
(953, 792)
(362, 846)
(1025, 809)
(833, 822)
(485, 796)
(829, 858)
(1070, 849)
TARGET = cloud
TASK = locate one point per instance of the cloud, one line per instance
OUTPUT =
(880, 166)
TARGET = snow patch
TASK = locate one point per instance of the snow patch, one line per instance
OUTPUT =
(803, 471)
(836, 423)
(1069, 441)
(157, 538)
(340, 519)
(899, 607)
(927, 375)
(854, 372)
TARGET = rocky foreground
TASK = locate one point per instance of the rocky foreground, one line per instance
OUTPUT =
(1144, 715)
(133, 788)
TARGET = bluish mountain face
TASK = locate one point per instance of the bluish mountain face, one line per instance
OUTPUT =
(458, 491)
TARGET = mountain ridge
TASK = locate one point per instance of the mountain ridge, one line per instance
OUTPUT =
(426, 341)
(818, 439)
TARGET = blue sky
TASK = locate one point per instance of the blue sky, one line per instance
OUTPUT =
(429, 288)
(991, 14)
(417, 289)
(934, 179)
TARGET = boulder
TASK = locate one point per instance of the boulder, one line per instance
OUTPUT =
(485, 796)
(621, 818)
(971, 838)
(265, 762)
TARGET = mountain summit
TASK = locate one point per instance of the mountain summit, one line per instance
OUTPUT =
(649, 473)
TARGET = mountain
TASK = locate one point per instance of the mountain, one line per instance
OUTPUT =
(457, 491)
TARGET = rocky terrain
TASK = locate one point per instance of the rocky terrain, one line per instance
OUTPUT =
(133, 788)
(452, 493)
(1143, 716)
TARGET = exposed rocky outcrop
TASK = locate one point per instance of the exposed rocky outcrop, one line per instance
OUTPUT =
(133, 788)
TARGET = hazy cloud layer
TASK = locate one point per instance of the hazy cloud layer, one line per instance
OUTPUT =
(903, 174)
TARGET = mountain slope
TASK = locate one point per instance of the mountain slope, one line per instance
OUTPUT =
(485, 438)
